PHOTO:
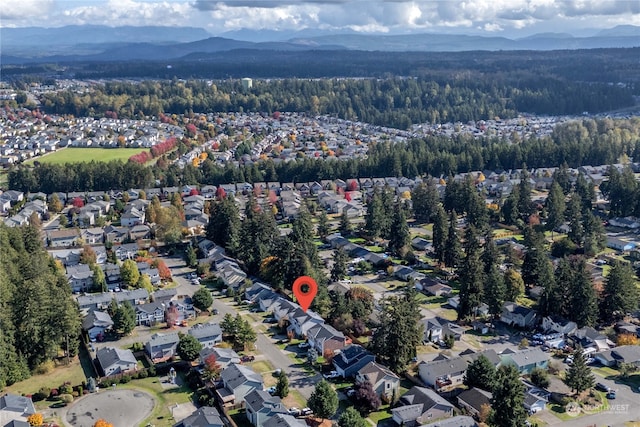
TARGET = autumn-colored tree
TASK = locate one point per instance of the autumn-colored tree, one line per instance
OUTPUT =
(78, 202)
(102, 423)
(35, 419)
(88, 255)
(211, 367)
(627, 339)
(163, 270)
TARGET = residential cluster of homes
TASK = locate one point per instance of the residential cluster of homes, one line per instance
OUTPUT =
(24, 135)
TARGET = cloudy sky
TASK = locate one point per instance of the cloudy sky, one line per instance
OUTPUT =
(498, 17)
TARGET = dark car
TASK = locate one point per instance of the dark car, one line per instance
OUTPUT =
(602, 387)
(611, 395)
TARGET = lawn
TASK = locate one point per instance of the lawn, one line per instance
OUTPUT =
(75, 373)
(82, 155)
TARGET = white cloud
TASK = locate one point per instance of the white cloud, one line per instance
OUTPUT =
(19, 10)
(385, 16)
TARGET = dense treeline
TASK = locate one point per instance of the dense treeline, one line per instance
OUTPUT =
(38, 317)
(397, 102)
(578, 143)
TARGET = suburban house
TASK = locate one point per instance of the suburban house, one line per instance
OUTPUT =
(260, 406)
(162, 346)
(237, 382)
(133, 296)
(472, 401)
(590, 339)
(432, 330)
(420, 405)
(385, 383)
(132, 216)
(80, 277)
(224, 356)
(96, 323)
(300, 321)
(114, 234)
(150, 314)
(115, 360)
(207, 334)
(526, 360)
(95, 301)
(443, 373)
(63, 238)
(284, 420)
(624, 354)
(325, 338)
(351, 359)
(558, 324)
(517, 315)
(534, 403)
(14, 407)
(205, 416)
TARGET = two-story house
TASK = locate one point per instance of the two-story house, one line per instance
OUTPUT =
(237, 382)
(419, 406)
(517, 315)
(326, 339)
(385, 383)
(162, 346)
(260, 406)
(207, 334)
(351, 359)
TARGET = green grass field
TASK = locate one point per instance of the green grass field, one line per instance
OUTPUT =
(80, 155)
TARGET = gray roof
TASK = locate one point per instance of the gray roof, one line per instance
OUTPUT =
(284, 420)
(458, 421)
(444, 367)
(206, 416)
(205, 330)
(627, 353)
(108, 356)
(260, 399)
(94, 317)
(235, 375)
(132, 295)
(529, 356)
(162, 339)
(164, 294)
(94, 299)
(15, 403)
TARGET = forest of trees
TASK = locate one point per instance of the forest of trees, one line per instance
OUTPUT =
(394, 102)
(578, 143)
(38, 317)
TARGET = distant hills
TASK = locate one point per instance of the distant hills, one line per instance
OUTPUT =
(101, 43)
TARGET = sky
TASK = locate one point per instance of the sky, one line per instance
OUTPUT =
(487, 17)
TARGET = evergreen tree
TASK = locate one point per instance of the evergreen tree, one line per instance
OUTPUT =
(579, 376)
(400, 237)
(490, 255)
(595, 239)
(425, 198)
(339, 269)
(561, 176)
(439, 233)
(188, 347)
(525, 207)
(99, 280)
(471, 275)
(323, 400)
(202, 299)
(258, 232)
(585, 192)
(452, 250)
(548, 304)
(224, 224)
(510, 212)
(400, 332)
(574, 214)
(582, 301)
(323, 225)
(374, 220)
(508, 399)
(282, 386)
(481, 373)
(191, 257)
(351, 418)
(620, 293)
(494, 293)
(555, 207)
(124, 318)
(345, 227)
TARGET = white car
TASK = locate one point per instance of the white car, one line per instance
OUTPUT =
(303, 344)
(293, 411)
(331, 375)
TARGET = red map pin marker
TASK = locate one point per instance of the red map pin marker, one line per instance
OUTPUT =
(305, 289)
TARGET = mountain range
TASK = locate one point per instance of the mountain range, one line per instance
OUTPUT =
(101, 43)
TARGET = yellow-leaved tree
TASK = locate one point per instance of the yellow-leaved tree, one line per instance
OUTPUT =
(35, 419)
(102, 423)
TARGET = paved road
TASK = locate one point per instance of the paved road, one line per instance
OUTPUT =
(298, 377)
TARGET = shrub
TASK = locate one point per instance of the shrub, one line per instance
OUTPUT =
(75, 394)
(66, 398)
(44, 368)
(137, 346)
(142, 374)
(152, 371)
(125, 379)
(66, 389)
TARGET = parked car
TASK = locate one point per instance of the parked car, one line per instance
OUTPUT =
(247, 358)
(331, 375)
(271, 389)
(602, 387)
(293, 411)
(611, 395)
(306, 411)
(350, 392)
(303, 344)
